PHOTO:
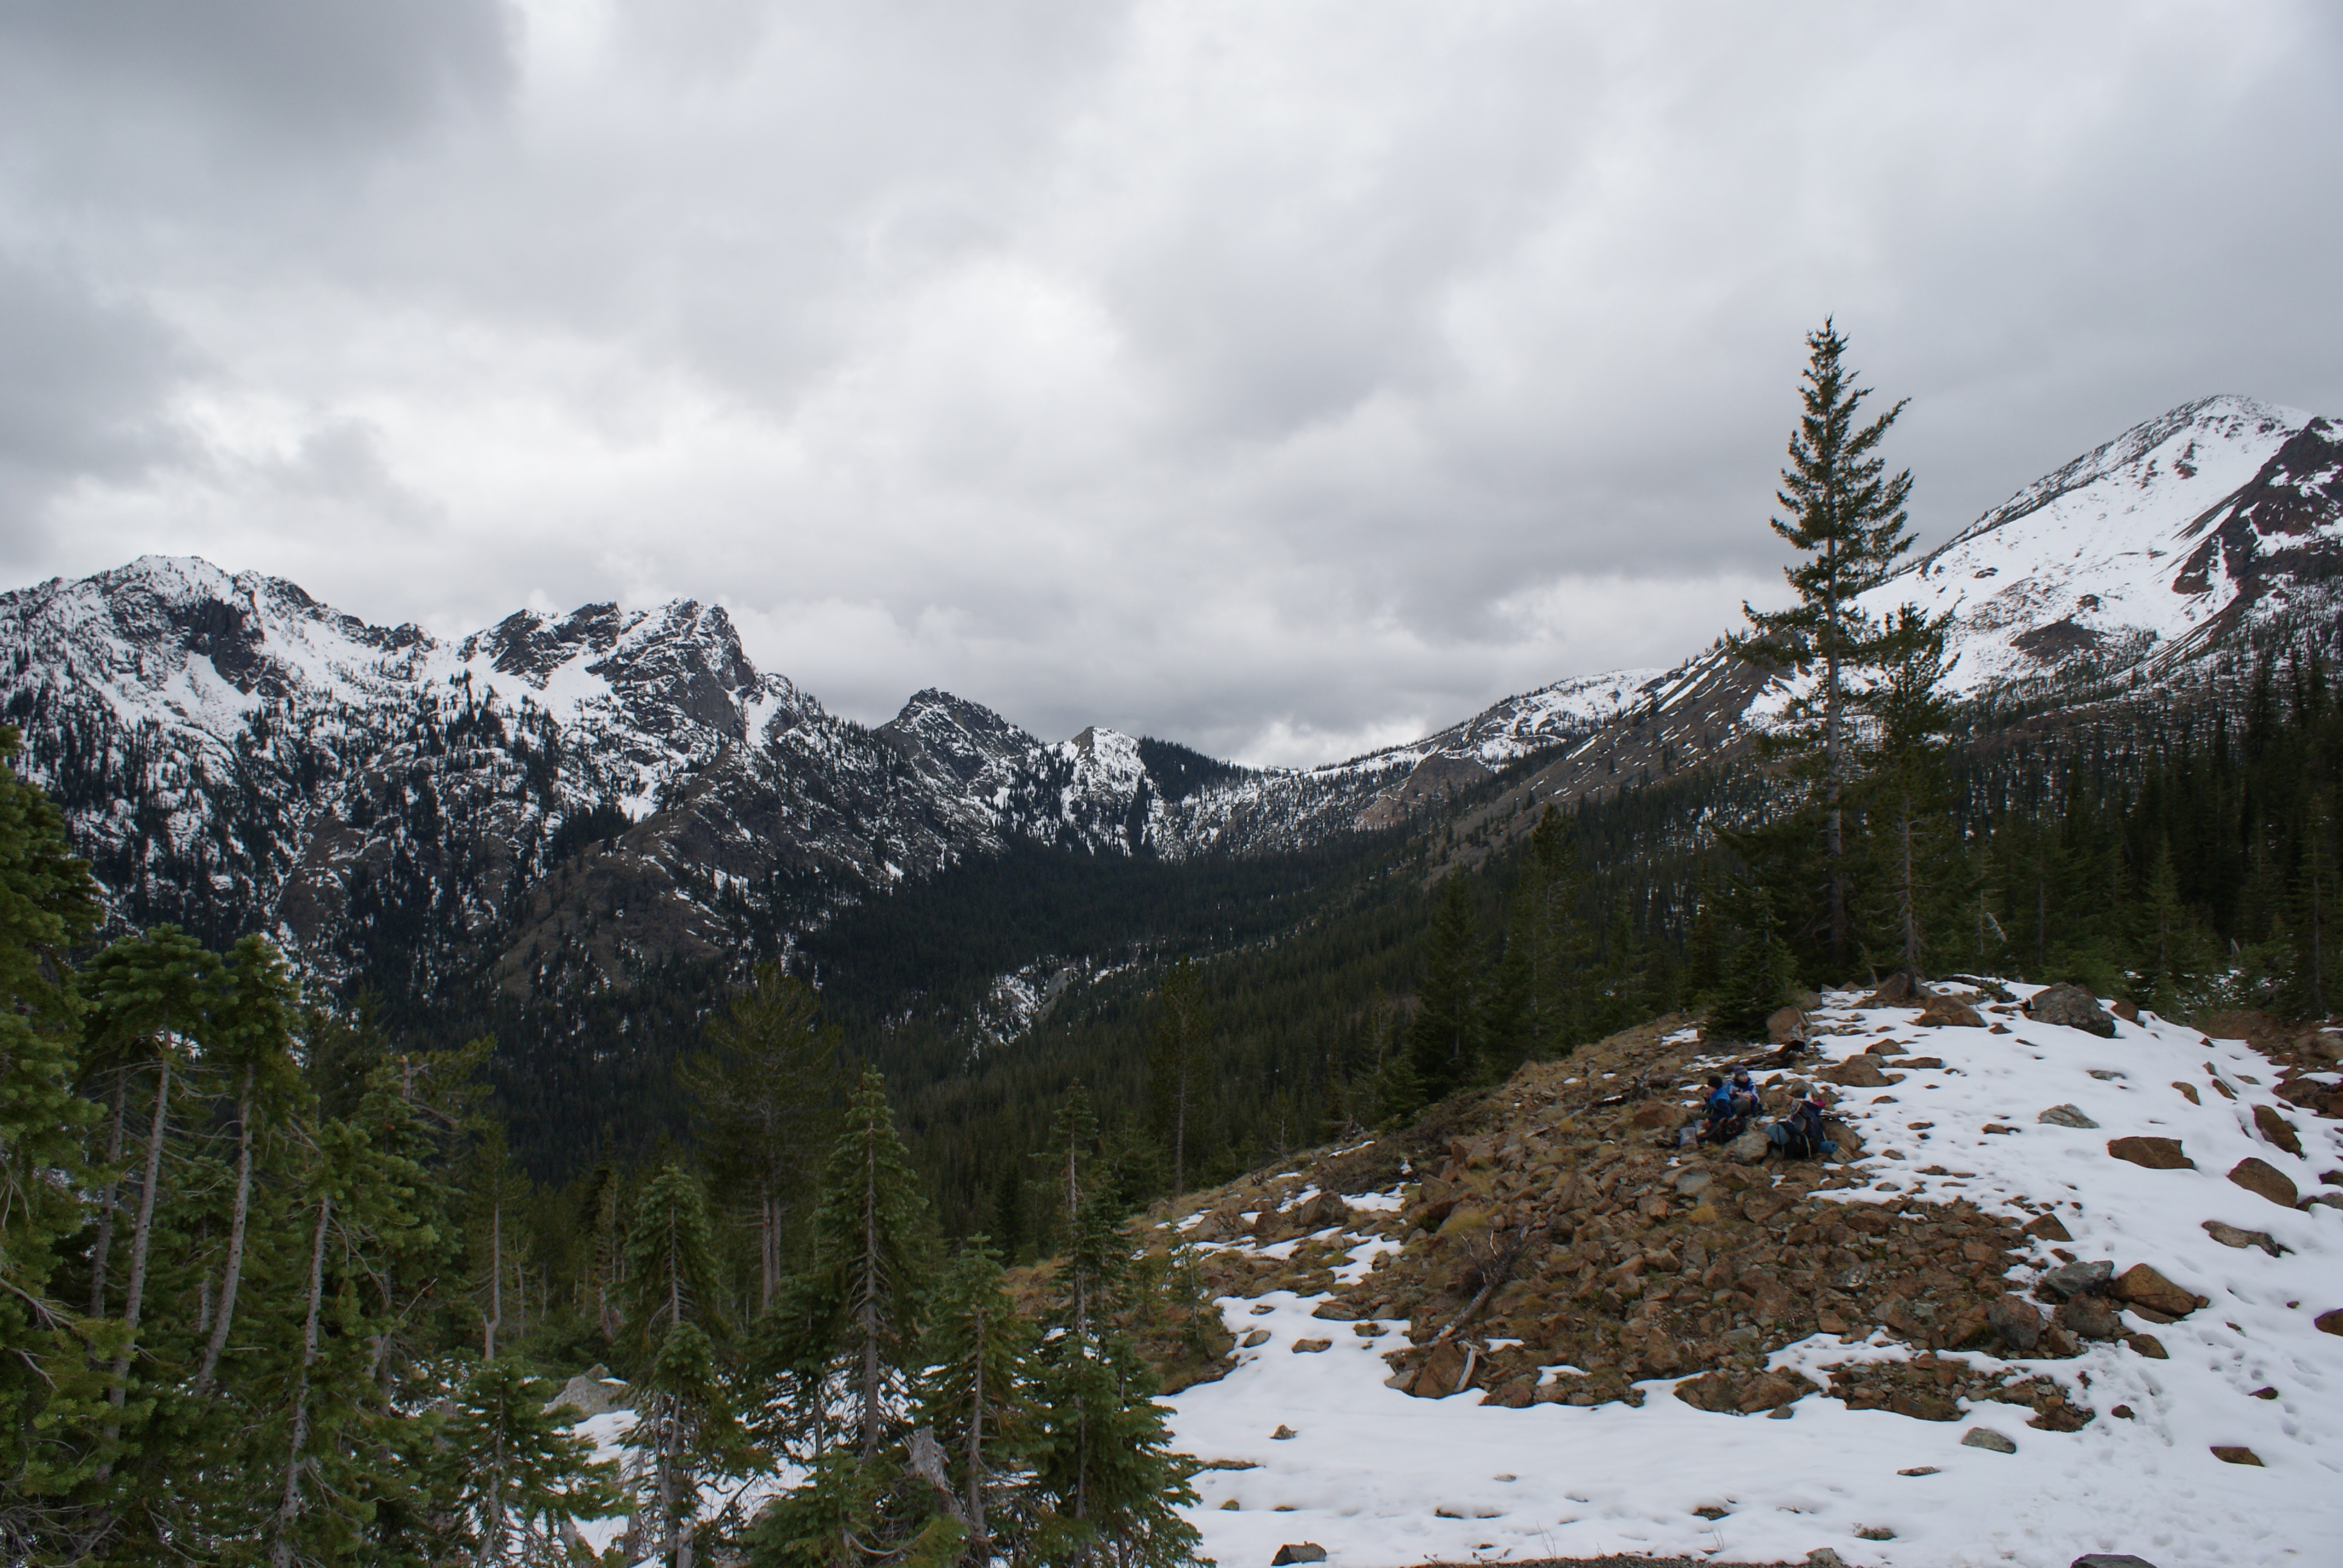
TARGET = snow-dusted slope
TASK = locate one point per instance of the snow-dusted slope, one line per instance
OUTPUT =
(1314, 1447)
(2141, 549)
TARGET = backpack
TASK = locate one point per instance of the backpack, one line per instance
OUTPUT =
(1802, 1131)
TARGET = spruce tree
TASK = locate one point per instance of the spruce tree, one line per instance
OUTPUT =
(761, 1099)
(49, 1399)
(514, 1469)
(685, 1428)
(852, 1315)
(975, 1398)
(1848, 514)
(1908, 823)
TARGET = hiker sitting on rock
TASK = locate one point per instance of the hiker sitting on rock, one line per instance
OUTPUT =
(1744, 1094)
(1800, 1134)
(1725, 1113)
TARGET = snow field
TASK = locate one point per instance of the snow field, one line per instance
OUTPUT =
(1380, 1478)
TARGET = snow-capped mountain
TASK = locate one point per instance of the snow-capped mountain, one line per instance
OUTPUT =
(591, 794)
(2145, 550)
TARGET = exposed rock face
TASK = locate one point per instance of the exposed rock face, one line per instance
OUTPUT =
(2073, 1007)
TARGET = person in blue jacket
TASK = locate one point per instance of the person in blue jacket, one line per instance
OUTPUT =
(1724, 1117)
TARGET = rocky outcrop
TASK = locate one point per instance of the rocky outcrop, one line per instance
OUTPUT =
(2072, 1006)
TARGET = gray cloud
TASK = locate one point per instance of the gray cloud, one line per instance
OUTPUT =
(1278, 378)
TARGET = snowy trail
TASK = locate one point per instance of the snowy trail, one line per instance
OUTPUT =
(1380, 1478)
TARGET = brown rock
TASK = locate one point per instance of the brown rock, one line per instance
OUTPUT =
(1661, 1358)
(1786, 1025)
(1710, 1392)
(1858, 1072)
(2236, 1236)
(2126, 1010)
(2147, 1345)
(2017, 1321)
(2140, 1285)
(1441, 1374)
(1319, 1212)
(1949, 1012)
(1518, 1395)
(1923, 1406)
(2089, 1317)
(2046, 1228)
(2264, 1180)
(1902, 989)
(2156, 1153)
(1311, 1347)
(2071, 1007)
(2227, 1455)
(2278, 1129)
(2190, 1090)
(2328, 1323)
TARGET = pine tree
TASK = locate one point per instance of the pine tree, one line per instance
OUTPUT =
(513, 1468)
(761, 1098)
(1102, 1457)
(854, 1312)
(49, 1402)
(685, 1427)
(1758, 971)
(1906, 790)
(1849, 515)
(975, 1398)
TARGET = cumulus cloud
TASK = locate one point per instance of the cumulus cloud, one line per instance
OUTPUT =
(1281, 379)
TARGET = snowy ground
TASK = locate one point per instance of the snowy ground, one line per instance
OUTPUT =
(1379, 1478)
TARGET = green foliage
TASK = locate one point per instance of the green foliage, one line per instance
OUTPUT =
(514, 1470)
(1444, 1042)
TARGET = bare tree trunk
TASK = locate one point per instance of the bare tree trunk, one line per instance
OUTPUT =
(107, 1198)
(141, 1233)
(233, 1274)
(768, 1242)
(1834, 825)
(1910, 895)
(980, 1539)
(495, 1313)
(289, 1508)
(866, 1310)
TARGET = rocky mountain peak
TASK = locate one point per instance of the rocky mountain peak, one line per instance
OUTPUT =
(962, 737)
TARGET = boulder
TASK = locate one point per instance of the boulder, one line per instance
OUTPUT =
(2234, 1236)
(1257, 1337)
(1693, 1183)
(2264, 1180)
(1323, 1211)
(1441, 1374)
(2047, 1228)
(1858, 1072)
(1786, 1025)
(592, 1392)
(1950, 1012)
(2278, 1129)
(2068, 1281)
(2155, 1153)
(1298, 1551)
(2147, 1345)
(1749, 1148)
(1311, 1347)
(1986, 1437)
(2328, 1323)
(2071, 1007)
(2228, 1454)
(2066, 1115)
(1902, 989)
(2140, 1285)
(2089, 1318)
(2017, 1321)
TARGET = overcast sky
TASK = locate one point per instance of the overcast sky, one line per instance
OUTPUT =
(1281, 377)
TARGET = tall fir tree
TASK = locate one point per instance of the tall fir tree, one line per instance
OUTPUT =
(761, 1100)
(1848, 515)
